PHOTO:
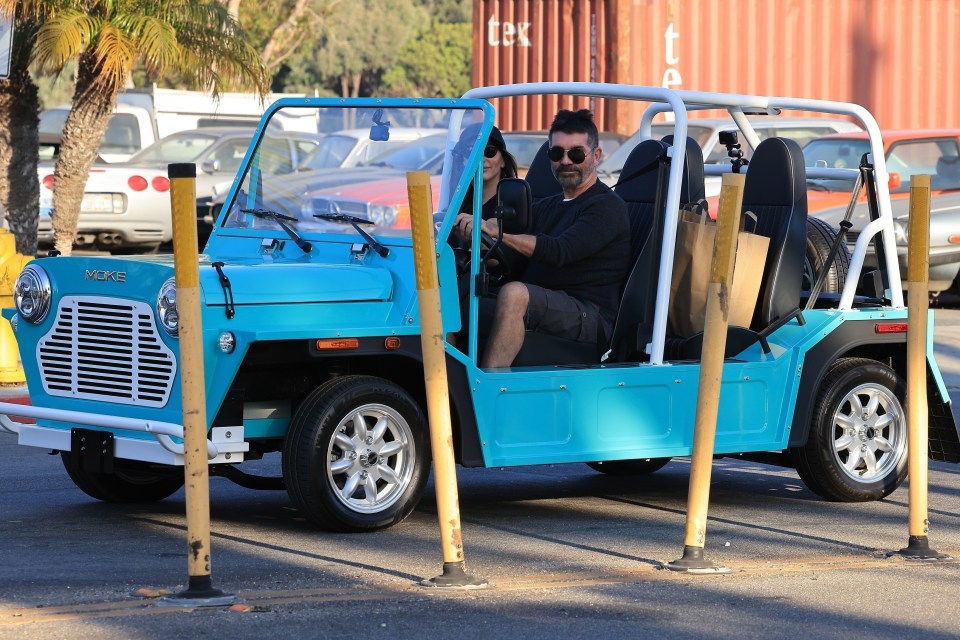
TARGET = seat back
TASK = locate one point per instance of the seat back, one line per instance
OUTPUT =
(540, 175)
(775, 191)
(948, 173)
(645, 196)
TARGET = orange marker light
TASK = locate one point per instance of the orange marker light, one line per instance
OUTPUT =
(334, 344)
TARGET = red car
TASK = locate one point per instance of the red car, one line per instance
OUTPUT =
(908, 152)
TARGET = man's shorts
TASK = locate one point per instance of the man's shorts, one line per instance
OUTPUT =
(555, 313)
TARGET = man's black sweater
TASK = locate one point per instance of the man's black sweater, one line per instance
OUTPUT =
(583, 246)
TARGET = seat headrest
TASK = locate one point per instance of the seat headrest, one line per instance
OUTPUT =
(948, 166)
(540, 175)
(692, 188)
(776, 175)
(638, 178)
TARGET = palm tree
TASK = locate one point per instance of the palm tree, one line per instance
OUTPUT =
(19, 106)
(197, 39)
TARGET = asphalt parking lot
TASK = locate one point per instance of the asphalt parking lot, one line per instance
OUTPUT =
(567, 552)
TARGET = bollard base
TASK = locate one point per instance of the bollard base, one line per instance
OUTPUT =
(694, 562)
(454, 576)
(199, 593)
(918, 548)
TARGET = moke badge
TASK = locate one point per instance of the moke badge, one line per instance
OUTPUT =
(101, 275)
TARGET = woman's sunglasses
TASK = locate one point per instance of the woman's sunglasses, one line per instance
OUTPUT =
(490, 151)
(576, 155)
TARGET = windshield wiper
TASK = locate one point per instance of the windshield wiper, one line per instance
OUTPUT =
(356, 221)
(817, 186)
(279, 218)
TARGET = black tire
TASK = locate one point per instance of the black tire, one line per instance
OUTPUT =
(858, 422)
(820, 239)
(639, 467)
(130, 481)
(327, 478)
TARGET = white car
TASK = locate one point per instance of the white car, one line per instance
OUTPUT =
(707, 133)
(126, 205)
(350, 147)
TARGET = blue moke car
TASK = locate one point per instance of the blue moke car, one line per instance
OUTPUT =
(312, 347)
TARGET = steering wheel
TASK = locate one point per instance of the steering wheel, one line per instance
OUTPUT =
(499, 272)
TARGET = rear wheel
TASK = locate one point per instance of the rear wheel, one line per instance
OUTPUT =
(356, 457)
(130, 481)
(820, 239)
(857, 447)
(638, 467)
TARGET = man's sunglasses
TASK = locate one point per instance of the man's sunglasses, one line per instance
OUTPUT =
(490, 151)
(576, 155)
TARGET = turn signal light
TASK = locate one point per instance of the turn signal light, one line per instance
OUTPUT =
(891, 327)
(334, 344)
(390, 343)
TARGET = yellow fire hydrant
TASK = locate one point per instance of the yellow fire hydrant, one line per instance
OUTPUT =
(11, 264)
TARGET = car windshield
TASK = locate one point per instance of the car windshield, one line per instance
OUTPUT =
(179, 147)
(375, 190)
(835, 153)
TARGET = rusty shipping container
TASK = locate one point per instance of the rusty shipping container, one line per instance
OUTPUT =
(898, 58)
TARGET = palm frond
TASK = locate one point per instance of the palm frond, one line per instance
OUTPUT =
(116, 53)
(63, 37)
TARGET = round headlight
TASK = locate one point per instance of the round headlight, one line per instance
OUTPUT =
(31, 294)
(167, 307)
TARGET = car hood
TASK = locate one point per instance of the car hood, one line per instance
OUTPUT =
(256, 283)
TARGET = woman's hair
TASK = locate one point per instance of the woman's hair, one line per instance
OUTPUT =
(509, 165)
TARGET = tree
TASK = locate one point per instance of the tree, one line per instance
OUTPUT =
(19, 108)
(434, 64)
(196, 39)
(363, 38)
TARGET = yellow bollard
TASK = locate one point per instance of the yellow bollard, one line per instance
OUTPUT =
(711, 373)
(918, 277)
(435, 377)
(183, 201)
(11, 264)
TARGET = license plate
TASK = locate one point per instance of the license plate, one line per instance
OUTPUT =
(97, 203)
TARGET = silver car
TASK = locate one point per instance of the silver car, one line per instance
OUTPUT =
(944, 235)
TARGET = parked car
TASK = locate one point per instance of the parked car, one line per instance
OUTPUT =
(935, 152)
(707, 133)
(944, 234)
(523, 145)
(126, 205)
(352, 147)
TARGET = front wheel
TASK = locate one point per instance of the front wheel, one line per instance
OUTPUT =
(857, 447)
(356, 456)
(129, 482)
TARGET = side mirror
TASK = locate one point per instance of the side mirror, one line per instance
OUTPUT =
(210, 166)
(514, 205)
(894, 182)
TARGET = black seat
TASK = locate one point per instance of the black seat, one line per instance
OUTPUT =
(775, 191)
(540, 176)
(633, 325)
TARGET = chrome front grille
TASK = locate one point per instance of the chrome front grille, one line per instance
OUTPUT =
(106, 349)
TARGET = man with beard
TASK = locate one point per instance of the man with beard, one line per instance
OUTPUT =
(579, 252)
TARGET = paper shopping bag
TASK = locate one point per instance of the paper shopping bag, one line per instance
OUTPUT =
(692, 262)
